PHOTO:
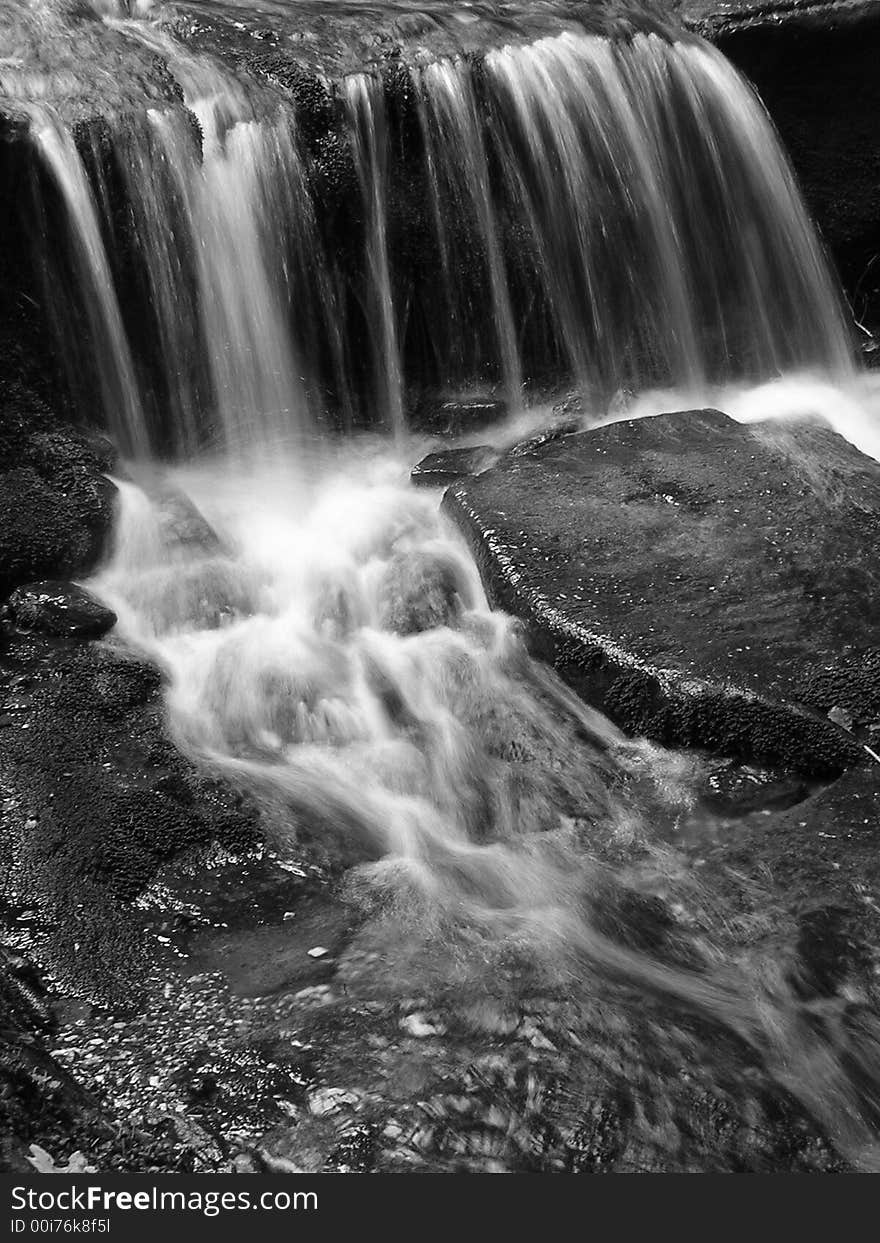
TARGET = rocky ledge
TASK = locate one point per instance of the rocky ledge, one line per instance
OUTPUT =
(56, 502)
(94, 795)
(704, 583)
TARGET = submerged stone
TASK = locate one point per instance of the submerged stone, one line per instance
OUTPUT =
(185, 527)
(61, 609)
(421, 591)
(688, 574)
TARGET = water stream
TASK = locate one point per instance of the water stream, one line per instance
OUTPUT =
(327, 644)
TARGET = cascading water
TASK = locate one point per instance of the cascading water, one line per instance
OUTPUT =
(327, 645)
(329, 641)
(454, 137)
(236, 201)
(365, 109)
(665, 216)
(619, 212)
(119, 389)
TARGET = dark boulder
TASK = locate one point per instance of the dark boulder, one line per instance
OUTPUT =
(438, 470)
(688, 574)
(62, 609)
(735, 790)
(56, 502)
(97, 799)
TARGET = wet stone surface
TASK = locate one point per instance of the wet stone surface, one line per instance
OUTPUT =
(56, 502)
(61, 609)
(694, 577)
(447, 465)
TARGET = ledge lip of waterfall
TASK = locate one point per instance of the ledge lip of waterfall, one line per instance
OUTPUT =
(87, 94)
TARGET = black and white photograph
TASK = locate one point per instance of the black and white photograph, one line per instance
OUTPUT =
(439, 600)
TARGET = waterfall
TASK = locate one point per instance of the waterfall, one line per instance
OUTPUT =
(616, 211)
(663, 211)
(453, 130)
(367, 120)
(119, 388)
(236, 200)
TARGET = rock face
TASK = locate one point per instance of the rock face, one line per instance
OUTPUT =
(704, 583)
(56, 503)
(61, 609)
(97, 797)
(805, 59)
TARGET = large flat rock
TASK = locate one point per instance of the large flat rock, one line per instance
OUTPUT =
(704, 583)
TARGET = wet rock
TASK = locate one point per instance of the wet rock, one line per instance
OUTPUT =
(642, 921)
(244, 1084)
(740, 789)
(822, 856)
(56, 504)
(421, 591)
(600, 1138)
(455, 418)
(61, 609)
(40, 1101)
(185, 527)
(438, 470)
(847, 685)
(558, 429)
(685, 573)
(98, 797)
(331, 1100)
(841, 717)
(44, 532)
